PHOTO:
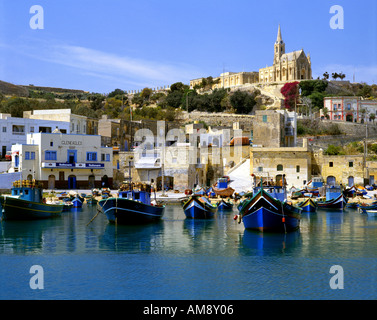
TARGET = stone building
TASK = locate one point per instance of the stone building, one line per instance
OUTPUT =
(272, 163)
(339, 169)
(286, 66)
(230, 80)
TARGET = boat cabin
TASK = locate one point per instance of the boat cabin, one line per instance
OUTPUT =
(135, 192)
(278, 192)
(27, 190)
(332, 192)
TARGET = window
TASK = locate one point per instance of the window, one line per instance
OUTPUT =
(348, 106)
(50, 155)
(264, 117)
(31, 129)
(91, 156)
(27, 155)
(32, 155)
(297, 168)
(331, 164)
(279, 167)
(51, 144)
(4, 129)
(260, 169)
(335, 106)
(350, 164)
(105, 157)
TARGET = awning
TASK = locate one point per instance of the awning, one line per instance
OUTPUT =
(148, 163)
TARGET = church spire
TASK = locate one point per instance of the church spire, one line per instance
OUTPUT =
(279, 38)
(279, 47)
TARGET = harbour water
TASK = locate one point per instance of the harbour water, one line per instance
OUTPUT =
(180, 259)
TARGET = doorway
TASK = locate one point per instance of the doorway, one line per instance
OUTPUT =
(72, 182)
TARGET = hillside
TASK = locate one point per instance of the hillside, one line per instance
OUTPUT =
(7, 88)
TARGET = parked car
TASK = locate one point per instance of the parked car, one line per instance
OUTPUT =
(8, 156)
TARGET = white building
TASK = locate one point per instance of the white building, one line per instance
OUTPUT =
(64, 161)
(14, 130)
(78, 124)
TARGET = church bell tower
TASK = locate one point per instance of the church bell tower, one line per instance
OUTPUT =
(279, 47)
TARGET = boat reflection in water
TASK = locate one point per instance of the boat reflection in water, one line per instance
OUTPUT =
(261, 244)
(132, 238)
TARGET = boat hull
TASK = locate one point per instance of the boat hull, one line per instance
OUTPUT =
(125, 211)
(264, 213)
(308, 205)
(333, 204)
(224, 206)
(195, 209)
(18, 209)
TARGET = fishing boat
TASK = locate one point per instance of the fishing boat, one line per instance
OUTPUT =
(221, 188)
(26, 202)
(372, 213)
(77, 201)
(223, 205)
(90, 200)
(332, 204)
(266, 212)
(308, 205)
(198, 190)
(335, 199)
(364, 207)
(198, 207)
(352, 205)
(96, 192)
(67, 204)
(132, 205)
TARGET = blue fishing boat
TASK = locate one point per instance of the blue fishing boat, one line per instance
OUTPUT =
(308, 205)
(266, 212)
(26, 202)
(132, 206)
(198, 207)
(223, 205)
(77, 202)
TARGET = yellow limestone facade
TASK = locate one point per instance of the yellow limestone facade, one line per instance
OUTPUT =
(286, 66)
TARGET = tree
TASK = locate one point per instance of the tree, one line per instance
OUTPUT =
(341, 76)
(335, 75)
(242, 102)
(115, 93)
(326, 76)
(290, 92)
(333, 150)
(146, 94)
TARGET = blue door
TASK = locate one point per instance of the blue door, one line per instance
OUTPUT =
(72, 156)
(16, 161)
(71, 182)
(350, 181)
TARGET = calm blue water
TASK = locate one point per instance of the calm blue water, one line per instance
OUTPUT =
(181, 259)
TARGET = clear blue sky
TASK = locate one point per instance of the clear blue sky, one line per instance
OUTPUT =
(99, 46)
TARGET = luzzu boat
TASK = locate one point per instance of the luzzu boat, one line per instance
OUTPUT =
(224, 205)
(308, 205)
(132, 206)
(198, 207)
(26, 202)
(265, 212)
